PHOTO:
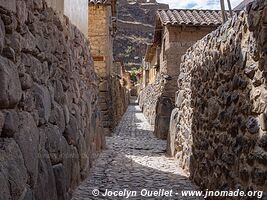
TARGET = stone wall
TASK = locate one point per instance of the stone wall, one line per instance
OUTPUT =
(177, 41)
(174, 43)
(148, 99)
(101, 41)
(120, 100)
(218, 129)
(50, 129)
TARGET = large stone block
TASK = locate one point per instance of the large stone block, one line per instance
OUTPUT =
(2, 35)
(13, 173)
(46, 184)
(42, 102)
(57, 117)
(10, 91)
(71, 132)
(2, 122)
(9, 5)
(11, 125)
(60, 178)
(55, 143)
(28, 140)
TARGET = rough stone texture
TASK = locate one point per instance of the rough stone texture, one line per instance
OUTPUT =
(120, 100)
(113, 95)
(134, 160)
(148, 99)
(136, 20)
(11, 91)
(218, 129)
(50, 130)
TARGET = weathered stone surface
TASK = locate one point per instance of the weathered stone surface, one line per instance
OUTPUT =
(10, 93)
(4, 193)
(26, 81)
(60, 181)
(83, 156)
(2, 122)
(22, 11)
(28, 140)
(263, 121)
(9, 5)
(9, 53)
(43, 102)
(57, 117)
(27, 194)
(11, 125)
(222, 121)
(2, 35)
(148, 99)
(71, 132)
(13, 173)
(252, 125)
(51, 86)
(263, 142)
(46, 185)
(54, 143)
(75, 168)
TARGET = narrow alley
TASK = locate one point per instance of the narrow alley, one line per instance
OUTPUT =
(134, 161)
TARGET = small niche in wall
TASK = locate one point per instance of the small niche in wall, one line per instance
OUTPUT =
(98, 58)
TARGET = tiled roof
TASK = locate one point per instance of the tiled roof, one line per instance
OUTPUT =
(190, 17)
(98, 1)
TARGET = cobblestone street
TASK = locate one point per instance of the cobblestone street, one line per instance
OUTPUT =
(134, 160)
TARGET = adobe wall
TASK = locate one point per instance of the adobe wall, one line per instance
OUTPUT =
(218, 128)
(101, 46)
(50, 130)
(177, 41)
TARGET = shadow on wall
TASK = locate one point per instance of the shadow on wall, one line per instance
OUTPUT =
(218, 128)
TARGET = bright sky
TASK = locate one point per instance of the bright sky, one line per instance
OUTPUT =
(198, 4)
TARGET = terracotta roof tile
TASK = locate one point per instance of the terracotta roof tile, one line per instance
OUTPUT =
(98, 1)
(190, 17)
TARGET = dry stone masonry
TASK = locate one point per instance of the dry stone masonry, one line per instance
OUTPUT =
(218, 128)
(148, 100)
(120, 100)
(50, 129)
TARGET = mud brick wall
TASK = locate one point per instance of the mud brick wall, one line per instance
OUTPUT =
(218, 129)
(50, 130)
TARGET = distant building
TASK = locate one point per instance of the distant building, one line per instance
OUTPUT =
(102, 28)
(175, 32)
(150, 65)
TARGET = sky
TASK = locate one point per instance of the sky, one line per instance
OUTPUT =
(198, 4)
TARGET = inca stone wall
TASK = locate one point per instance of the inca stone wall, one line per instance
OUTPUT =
(148, 99)
(50, 129)
(218, 129)
(120, 100)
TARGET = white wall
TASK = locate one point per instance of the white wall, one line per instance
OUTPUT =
(76, 10)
